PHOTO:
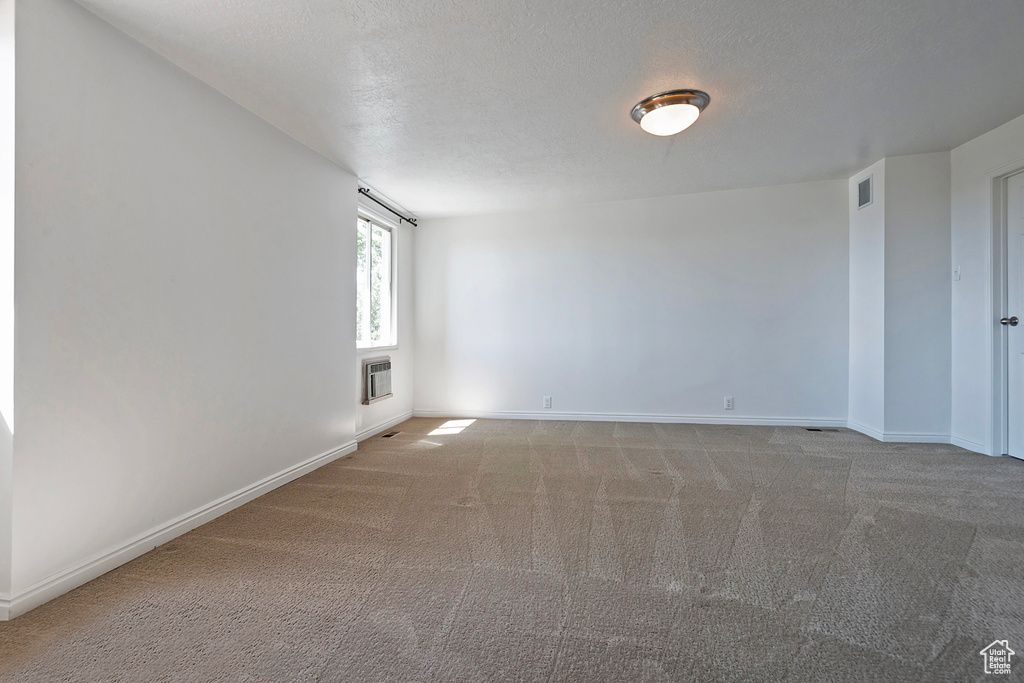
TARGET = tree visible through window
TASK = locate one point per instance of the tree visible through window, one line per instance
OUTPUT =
(373, 289)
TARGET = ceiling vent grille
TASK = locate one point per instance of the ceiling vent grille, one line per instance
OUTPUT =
(865, 193)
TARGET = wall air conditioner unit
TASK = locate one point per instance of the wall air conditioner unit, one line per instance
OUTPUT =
(376, 379)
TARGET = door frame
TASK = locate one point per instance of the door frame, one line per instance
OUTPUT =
(999, 180)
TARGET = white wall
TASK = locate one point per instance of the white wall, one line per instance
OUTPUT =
(6, 287)
(645, 309)
(374, 418)
(867, 304)
(899, 300)
(917, 296)
(974, 393)
(186, 304)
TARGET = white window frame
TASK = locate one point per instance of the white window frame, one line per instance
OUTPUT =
(392, 226)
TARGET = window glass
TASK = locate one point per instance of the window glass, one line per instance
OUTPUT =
(374, 303)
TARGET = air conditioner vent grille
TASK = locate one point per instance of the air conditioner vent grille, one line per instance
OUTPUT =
(376, 379)
(865, 194)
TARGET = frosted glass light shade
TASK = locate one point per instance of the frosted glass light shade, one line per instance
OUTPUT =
(670, 120)
(670, 112)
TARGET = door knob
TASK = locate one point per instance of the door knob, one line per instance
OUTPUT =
(1012, 322)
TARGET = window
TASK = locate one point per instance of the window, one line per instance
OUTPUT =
(374, 294)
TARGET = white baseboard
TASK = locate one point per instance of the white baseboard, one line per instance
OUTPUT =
(865, 430)
(970, 445)
(627, 417)
(898, 437)
(910, 437)
(77, 575)
(377, 429)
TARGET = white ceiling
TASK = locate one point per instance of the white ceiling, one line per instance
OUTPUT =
(468, 106)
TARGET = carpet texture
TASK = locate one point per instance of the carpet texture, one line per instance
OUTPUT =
(572, 551)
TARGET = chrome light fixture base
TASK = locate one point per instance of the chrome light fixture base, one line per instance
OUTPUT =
(697, 98)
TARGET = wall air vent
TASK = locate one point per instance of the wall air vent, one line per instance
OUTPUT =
(865, 193)
(376, 379)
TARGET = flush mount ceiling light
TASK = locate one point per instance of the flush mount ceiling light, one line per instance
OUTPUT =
(671, 112)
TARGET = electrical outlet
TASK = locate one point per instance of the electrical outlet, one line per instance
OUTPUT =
(728, 402)
(956, 274)
(547, 401)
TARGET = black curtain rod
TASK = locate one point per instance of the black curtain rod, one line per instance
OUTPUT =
(366, 193)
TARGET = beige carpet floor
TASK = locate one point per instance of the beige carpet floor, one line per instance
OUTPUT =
(565, 551)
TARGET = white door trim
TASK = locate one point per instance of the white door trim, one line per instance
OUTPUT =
(999, 300)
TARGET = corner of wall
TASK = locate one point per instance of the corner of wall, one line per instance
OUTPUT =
(866, 407)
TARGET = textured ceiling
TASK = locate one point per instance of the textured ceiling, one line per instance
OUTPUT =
(456, 106)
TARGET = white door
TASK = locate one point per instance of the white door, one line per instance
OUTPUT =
(1015, 313)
